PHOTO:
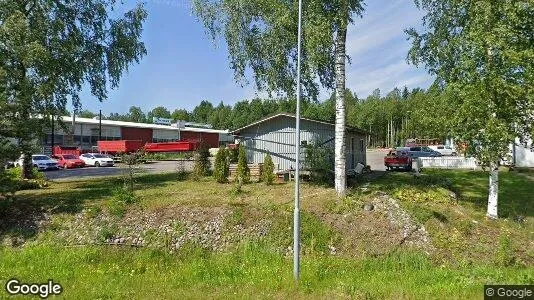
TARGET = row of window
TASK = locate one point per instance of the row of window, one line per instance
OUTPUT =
(84, 140)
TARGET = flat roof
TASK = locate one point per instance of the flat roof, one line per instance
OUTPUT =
(68, 119)
(348, 128)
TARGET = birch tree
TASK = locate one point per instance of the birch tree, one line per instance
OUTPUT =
(50, 50)
(261, 36)
(482, 52)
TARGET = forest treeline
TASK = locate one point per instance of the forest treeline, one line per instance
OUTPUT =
(390, 118)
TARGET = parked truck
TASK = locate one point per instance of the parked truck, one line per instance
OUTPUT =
(398, 159)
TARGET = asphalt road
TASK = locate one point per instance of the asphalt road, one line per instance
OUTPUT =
(118, 169)
(375, 159)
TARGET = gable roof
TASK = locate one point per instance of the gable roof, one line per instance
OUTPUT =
(348, 128)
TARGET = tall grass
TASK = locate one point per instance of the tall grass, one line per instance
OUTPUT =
(249, 271)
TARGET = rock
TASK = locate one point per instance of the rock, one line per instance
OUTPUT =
(519, 219)
(368, 207)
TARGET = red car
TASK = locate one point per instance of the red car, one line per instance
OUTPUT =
(68, 161)
(398, 160)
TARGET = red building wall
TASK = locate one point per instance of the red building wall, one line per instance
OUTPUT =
(144, 134)
(211, 139)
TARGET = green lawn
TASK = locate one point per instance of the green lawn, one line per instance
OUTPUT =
(248, 272)
(470, 250)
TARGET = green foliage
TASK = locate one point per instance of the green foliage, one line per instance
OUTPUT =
(121, 198)
(320, 162)
(261, 35)
(11, 181)
(222, 167)
(482, 56)
(243, 171)
(504, 257)
(202, 162)
(247, 271)
(316, 236)
(233, 155)
(267, 172)
(55, 49)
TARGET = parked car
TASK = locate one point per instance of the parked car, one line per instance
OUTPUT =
(420, 151)
(41, 162)
(67, 161)
(97, 160)
(444, 150)
(398, 159)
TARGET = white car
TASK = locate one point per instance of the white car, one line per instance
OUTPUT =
(444, 150)
(97, 160)
(41, 162)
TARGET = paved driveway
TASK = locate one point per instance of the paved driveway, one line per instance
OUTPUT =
(89, 172)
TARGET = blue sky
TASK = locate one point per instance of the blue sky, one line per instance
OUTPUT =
(183, 67)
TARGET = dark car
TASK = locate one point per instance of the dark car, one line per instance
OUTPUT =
(420, 151)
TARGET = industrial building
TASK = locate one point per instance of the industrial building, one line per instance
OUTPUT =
(88, 131)
(276, 135)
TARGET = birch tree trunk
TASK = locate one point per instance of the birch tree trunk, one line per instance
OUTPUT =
(493, 191)
(340, 146)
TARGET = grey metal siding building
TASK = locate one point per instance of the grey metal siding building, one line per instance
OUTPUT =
(276, 135)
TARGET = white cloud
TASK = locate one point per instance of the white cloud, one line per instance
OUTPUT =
(378, 47)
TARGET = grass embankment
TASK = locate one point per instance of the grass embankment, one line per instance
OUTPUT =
(248, 272)
(470, 251)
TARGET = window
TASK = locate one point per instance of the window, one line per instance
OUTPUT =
(415, 149)
(362, 146)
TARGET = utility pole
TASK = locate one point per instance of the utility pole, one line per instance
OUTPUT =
(296, 212)
(52, 137)
(100, 125)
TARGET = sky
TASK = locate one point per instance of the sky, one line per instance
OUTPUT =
(183, 66)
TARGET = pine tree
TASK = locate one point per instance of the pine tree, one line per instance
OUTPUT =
(267, 172)
(222, 168)
(202, 161)
(243, 172)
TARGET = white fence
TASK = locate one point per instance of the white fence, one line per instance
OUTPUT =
(448, 162)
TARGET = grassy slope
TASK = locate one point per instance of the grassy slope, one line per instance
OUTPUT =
(469, 254)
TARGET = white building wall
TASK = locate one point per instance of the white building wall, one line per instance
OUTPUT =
(523, 156)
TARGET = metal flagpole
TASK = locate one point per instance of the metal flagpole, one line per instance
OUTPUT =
(296, 212)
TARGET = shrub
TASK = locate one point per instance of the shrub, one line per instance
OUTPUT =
(202, 161)
(267, 172)
(11, 181)
(243, 172)
(504, 257)
(121, 198)
(233, 155)
(319, 161)
(222, 168)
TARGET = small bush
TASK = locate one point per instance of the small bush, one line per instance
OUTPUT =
(202, 161)
(120, 200)
(222, 168)
(267, 172)
(504, 257)
(243, 172)
(233, 155)
(319, 161)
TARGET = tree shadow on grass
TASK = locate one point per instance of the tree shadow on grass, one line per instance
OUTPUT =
(21, 216)
(515, 191)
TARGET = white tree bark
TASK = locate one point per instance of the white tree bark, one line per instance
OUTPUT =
(493, 191)
(340, 146)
